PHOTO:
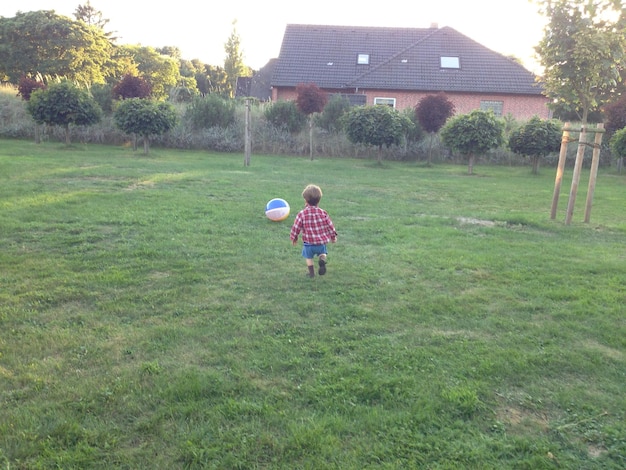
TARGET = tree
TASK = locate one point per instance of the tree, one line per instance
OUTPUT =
(145, 118)
(42, 43)
(27, 86)
(535, 139)
(131, 86)
(582, 52)
(615, 114)
(310, 100)
(376, 125)
(432, 112)
(63, 104)
(473, 134)
(233, 63)
(90, 15)
(618, 145)
(159, 70)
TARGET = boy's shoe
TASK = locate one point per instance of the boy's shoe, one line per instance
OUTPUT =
(322, 270)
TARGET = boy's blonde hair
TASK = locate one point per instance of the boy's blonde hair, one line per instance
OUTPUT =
(312, 194)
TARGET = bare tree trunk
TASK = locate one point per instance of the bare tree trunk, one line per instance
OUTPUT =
(311, 136)
(470, 165)
(146, 145)
(67, 135)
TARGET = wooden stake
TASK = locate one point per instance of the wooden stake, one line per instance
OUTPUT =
(582, 140)
(559, 170)
(595, 162)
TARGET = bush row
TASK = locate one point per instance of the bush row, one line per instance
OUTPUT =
(214, 124)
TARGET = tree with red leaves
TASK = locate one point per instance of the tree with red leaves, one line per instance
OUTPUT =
(432, 112)
(131, 86)
(310, 100)
(27, 86)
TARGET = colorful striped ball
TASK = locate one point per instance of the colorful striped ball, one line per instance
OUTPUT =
(277, 209)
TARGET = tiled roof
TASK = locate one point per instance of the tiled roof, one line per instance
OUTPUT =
(399, 59)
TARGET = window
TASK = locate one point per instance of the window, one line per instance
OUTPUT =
(391, 102)
(363, 59)
(495, 106)
(450, 62)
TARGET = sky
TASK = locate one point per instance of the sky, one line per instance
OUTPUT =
(200, 29)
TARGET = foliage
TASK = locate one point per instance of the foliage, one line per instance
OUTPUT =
(159, 70)
(62, 104)
(432, 111)
(615, 115)
(618, 143)
(103, 95)
(582, 52)
(90, 15)
(42, 43)
(131, 86)
(535, 139)
(310, 98)
(145, 117)
(330, 117)
(376, 125)
(233, 63)
(27, 85)
(473, 134)
(285, 115)
(210, 111)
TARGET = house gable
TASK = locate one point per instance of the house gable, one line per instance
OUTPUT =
(403, 60)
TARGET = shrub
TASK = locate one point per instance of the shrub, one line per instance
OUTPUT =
(210, 111)
(330, 117)
(285, 115)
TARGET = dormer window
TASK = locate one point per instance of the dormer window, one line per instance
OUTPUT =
(363, 59)
(450, 62)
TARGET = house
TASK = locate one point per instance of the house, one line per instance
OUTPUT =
(399, 66)
(258, 86)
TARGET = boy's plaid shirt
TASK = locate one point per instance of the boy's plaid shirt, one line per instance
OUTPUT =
(315, 225)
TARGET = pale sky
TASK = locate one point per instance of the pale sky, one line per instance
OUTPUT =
(200, 29)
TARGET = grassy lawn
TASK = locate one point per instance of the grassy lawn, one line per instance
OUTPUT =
(151, 316)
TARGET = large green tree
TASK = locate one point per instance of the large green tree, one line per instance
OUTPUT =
(63, 104)
(44, 44)
(582, 52)
(473, 134)
(160, 70)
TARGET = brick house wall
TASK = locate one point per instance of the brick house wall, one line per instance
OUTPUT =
(521, 107)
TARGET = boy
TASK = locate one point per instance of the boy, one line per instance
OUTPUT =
(316, 227)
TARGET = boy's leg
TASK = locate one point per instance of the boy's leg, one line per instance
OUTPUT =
(311, 268)
(322, 262)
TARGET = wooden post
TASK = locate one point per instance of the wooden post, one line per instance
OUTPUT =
(559, 170)
(580, 155)
(594, 171)
(246, 161)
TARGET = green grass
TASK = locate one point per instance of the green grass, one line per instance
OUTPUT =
(152, 317)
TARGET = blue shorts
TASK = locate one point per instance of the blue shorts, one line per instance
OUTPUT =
(309, 251)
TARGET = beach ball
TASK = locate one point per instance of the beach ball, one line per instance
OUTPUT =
(277, 209)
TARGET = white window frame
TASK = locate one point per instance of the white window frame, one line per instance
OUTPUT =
(450, 62)
(363, 59)
(391, 102)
